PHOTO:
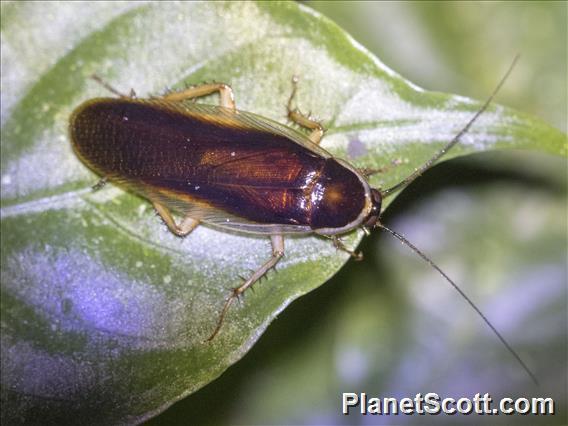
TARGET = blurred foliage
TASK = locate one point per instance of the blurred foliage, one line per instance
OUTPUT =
(457, 47)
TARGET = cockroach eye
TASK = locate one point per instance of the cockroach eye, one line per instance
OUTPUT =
(376, 200)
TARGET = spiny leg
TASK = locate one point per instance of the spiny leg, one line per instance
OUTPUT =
(102, 182)
(277, 242)
(305, 121)
(340, 246)
(187, 224)
(111, 89)
(368, 172)
(225, 92)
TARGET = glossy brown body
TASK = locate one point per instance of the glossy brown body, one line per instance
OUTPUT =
(219, 166)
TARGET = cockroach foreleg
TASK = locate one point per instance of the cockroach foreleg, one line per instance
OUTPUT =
(225, 92)
(187, 224)
(277, 253)
(340, 246)
(368, 172)
(306, 121)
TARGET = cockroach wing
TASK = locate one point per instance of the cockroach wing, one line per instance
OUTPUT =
(249, 120)
(205, 210)
(220, 218)
(232, 169)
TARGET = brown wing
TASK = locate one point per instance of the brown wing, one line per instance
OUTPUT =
(200, 160)
(267, 187)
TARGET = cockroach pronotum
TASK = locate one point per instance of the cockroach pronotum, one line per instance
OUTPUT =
(233, 169)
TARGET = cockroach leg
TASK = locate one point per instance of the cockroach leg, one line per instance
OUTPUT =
(340, 246)
(111, 89)
(277, 253)
(102, 182)
(368, 172)
(225, 92)
(187, 224)
(297, 117)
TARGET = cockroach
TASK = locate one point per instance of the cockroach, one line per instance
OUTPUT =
(220, 166)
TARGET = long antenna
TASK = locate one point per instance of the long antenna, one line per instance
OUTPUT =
(403, 240)
(455, 140)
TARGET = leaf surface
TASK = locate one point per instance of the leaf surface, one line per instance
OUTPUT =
(104, 312)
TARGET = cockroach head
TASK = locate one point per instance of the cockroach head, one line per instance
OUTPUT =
(373, 217)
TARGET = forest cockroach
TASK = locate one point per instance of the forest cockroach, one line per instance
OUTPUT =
(236, 170)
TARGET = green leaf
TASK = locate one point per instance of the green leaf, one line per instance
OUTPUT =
(104, 312)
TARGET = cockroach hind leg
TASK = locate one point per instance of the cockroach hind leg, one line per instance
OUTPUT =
(306, 121)
(277, 242)
(187, 224)
(227, 98)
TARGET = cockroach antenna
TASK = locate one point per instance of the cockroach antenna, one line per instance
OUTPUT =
(404, 241)
(439, 154)
(405, 182)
